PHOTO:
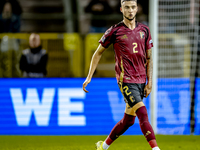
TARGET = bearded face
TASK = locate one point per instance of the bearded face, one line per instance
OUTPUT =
(129, 9)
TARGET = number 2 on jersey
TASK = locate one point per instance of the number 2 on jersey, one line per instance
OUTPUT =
(134, 47)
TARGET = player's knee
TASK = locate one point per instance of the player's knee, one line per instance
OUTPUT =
(127, 124)
(128, 120)
(142, 114)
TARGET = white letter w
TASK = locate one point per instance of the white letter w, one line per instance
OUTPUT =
(23, 109)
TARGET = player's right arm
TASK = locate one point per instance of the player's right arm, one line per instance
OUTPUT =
(93, 65)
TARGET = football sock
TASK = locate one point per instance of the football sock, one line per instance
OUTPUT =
(120, 128)
(108, 140)
(145, 126)
(105, 145)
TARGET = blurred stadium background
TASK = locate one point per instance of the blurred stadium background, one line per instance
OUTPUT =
(56, 105)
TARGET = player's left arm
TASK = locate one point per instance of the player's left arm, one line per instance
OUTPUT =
(148, 87)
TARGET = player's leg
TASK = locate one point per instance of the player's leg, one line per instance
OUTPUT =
(120, 128)
(146, 127)
(127, 121)
(142, 115)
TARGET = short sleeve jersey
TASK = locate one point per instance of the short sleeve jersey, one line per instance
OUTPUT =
(130, 48)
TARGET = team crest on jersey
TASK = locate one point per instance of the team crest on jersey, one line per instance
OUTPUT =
(141, 35)
(124, 37)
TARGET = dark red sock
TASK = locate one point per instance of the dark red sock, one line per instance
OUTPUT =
(145, 126)
(108, 140)
(120, 128)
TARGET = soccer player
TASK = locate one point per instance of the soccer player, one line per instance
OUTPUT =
(133, 55)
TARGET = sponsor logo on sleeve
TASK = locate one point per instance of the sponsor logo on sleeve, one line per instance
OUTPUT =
(103, 38)
(151, 41)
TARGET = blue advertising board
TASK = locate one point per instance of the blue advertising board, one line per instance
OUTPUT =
(59, 106)
(173, 111)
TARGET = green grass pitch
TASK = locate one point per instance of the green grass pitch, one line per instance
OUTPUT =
(165, 142)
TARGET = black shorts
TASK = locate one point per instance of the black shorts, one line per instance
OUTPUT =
(132, 92)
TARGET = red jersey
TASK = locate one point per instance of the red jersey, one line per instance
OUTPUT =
(130, 48)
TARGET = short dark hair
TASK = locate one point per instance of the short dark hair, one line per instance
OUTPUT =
(128, 0)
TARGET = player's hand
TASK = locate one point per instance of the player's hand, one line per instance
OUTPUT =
(85, 84)
(147, 90)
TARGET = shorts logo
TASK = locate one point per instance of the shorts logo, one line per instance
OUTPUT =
(132, 99)
(141, 35)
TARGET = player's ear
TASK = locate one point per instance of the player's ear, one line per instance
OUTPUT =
(121, 9)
